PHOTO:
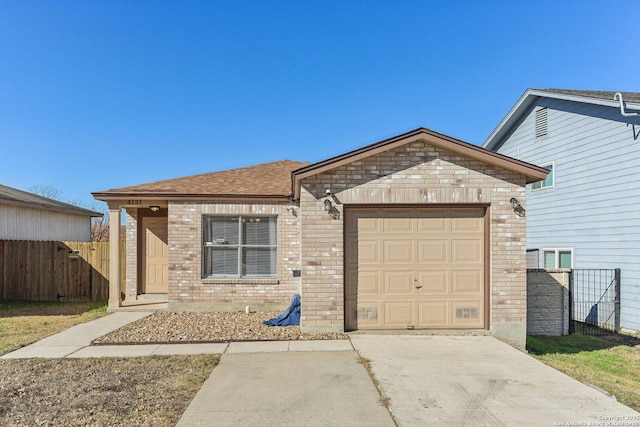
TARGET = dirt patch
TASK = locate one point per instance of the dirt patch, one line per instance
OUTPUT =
(622, 339)
(166, 327)
(150, 391)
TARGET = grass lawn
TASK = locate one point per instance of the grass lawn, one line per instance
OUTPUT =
(22, 323)
(608, 365)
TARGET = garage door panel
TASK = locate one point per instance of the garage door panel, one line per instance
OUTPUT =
(467, 281)
(471, 224)
(431, 225)
(466, 250)
(432, 251)
(397, 252)
(398, 283)
(398, 314)
(433, 314)
(368, 225)
(397, 225)
(369, 283)
(433, 282)
(369, 252)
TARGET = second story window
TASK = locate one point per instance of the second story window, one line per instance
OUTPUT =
(548, 182)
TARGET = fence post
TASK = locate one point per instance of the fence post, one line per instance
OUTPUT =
(572, 325)
(617, 300)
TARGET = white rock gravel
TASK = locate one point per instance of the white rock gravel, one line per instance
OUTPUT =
(186, 327)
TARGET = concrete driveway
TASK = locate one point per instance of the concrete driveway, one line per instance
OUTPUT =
(480, 381)
(290, 388)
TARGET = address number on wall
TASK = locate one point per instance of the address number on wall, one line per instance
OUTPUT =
(134, 202)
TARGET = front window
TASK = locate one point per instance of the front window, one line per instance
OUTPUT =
(239, 246)
(558, 258)
(547, 182)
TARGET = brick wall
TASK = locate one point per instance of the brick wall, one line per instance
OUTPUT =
(420, 174)
(131, 258)
(548, 302)
(188, 290)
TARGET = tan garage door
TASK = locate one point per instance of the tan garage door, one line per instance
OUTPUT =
(415, 268)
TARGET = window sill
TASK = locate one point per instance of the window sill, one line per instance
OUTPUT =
(240, 281)
(551, 187)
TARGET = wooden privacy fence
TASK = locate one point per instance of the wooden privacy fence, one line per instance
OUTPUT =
(51, 271)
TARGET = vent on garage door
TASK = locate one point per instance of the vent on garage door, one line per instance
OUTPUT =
(467, 313)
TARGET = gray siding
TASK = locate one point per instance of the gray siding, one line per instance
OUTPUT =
(594, 207)
(21, 223)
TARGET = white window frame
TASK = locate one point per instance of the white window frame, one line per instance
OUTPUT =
(553, 178)
(556, 257)
(240, 246)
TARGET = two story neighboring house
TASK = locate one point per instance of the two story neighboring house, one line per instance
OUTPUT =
(586, 213)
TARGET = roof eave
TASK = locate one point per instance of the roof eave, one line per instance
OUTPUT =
(151, 196)
(512, 116)
(69, 210)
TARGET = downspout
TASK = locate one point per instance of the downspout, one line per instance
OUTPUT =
(622, 111)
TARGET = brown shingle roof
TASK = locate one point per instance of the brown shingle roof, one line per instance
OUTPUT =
(267, 180)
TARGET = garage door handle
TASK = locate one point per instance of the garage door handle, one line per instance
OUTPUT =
(418, 287)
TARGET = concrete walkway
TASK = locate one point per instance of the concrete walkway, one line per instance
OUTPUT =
(76, 342)
(479, 381)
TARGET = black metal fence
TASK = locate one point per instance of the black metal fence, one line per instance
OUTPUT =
(594, 301)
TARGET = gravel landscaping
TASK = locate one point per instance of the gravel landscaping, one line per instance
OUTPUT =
(167, 327)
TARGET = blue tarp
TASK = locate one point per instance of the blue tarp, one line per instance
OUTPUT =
(289, 317)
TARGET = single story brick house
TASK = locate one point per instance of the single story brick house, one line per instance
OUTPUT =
(418, 231)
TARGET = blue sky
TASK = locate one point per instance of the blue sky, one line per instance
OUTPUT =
(104, 94)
